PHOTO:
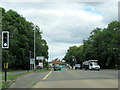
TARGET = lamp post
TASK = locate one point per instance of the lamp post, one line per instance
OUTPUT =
(34, 47)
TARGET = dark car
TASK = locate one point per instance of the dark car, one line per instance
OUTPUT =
(57, 67)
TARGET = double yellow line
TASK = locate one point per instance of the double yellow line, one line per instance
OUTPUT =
(47, 75)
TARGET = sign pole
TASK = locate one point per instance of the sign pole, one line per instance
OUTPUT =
(47, 65)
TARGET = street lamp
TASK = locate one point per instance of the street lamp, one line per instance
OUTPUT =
(34, 46)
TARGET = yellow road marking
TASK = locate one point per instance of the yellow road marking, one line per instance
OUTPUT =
(47, 75)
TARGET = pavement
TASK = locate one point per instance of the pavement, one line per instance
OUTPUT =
(13, 73)
(28, 80)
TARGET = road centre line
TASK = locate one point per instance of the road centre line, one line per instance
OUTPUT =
(47, 75)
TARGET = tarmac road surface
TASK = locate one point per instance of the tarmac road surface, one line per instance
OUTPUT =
(79, 79)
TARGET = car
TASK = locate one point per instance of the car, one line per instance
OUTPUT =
(51, 66)
(77, 66)
(57, 67)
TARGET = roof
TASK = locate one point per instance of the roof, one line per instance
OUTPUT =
(56, 61)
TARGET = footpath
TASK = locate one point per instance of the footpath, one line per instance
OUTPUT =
(28, 80)
(12, 73)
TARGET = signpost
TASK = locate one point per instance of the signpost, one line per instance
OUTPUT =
(40, 58)
(6, 65)
(5, 45)
(32, 60)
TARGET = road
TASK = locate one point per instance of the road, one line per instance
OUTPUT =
(79, 79)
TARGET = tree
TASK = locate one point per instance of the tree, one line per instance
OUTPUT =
(74, 52)
(102, 44)
(21, 40)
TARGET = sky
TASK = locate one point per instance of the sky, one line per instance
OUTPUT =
(65, 23)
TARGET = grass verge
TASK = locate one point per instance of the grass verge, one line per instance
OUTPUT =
(9, 70)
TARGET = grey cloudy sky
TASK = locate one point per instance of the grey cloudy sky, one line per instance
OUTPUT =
(65, 24)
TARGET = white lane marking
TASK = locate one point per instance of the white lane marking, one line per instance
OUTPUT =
(47, 75)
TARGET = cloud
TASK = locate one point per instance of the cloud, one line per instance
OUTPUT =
(105, 9)
(59, 49)
(65, 24)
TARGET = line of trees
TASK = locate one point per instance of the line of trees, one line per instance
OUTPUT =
(102, 45)
(21, 40)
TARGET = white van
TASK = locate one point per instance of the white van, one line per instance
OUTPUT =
(91, 64)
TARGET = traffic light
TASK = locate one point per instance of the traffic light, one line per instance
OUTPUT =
(5, 39)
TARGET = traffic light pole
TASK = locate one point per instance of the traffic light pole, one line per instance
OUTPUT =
(5, 46)
(5, 67)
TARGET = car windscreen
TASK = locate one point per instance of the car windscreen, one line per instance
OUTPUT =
(57, 65)
(77, 65)
(94, 63)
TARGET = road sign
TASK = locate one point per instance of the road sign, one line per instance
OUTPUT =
(32, 60)
(5, 39)
(40, 58)
(41, 64)
(5, 65)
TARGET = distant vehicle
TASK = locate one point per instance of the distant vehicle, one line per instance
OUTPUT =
(91, 65)
(70, 67)
(57, 67)
(50, 66)
(40, 65)
(61, 66)
(77, 66)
